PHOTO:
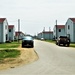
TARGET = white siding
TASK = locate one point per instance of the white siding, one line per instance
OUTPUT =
(70, 31)
(54, 32)
(45, 35)
(40, 36)
(48, 36)
(11, 34)
(62, 33)
(5, 30)
(21, 35)
(74, 32)
(1, 32)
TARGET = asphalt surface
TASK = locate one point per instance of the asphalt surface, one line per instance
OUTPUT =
(53, 60)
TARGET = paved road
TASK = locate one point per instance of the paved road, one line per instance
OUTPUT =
(53, 60)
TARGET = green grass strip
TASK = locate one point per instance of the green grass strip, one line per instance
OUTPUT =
(10, 45)
(9, 53)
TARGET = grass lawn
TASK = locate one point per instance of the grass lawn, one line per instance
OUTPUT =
(9, 53)
(72, 45)
(10, 45)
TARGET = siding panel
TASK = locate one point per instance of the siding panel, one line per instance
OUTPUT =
(1, 33)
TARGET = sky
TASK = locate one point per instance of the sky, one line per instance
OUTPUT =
(34, 15)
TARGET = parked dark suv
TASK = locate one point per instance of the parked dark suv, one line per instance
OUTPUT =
(63, 40)
(27, 41)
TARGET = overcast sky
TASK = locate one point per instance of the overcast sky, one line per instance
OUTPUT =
(36, 14)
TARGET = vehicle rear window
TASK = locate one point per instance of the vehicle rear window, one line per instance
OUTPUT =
(27, 38)
(63, 36)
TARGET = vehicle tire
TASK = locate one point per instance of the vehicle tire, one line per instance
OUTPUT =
(32, 45)
(22, 45)
(58, 44)
(68, 45)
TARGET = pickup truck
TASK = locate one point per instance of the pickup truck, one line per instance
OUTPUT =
(63, 40)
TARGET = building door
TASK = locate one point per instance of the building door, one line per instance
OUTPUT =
(6, 37)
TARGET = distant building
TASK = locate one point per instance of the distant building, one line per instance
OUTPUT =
(11, 30)
(70, 29)
(19, 35)
(59, 30)
(3, 30)
(46, 35)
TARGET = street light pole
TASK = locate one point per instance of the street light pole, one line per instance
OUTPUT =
(18, 29)
(56, 30)
(49, 32)
(44, 33)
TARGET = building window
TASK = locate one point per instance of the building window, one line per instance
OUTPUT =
(59, 30)
(9, 30)
(68, 26)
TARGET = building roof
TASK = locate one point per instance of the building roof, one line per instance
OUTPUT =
(2, 19)
(17, 33)
(73, 19)
(47, 32)
(10, 26)
(60, 26)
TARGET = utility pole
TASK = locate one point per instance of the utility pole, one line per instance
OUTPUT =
(56, 30)
(49, 29)
(44, 29)
(44, 32)
(18, 29)
(49, 32)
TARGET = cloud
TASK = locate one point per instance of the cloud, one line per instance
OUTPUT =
(37, 13)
